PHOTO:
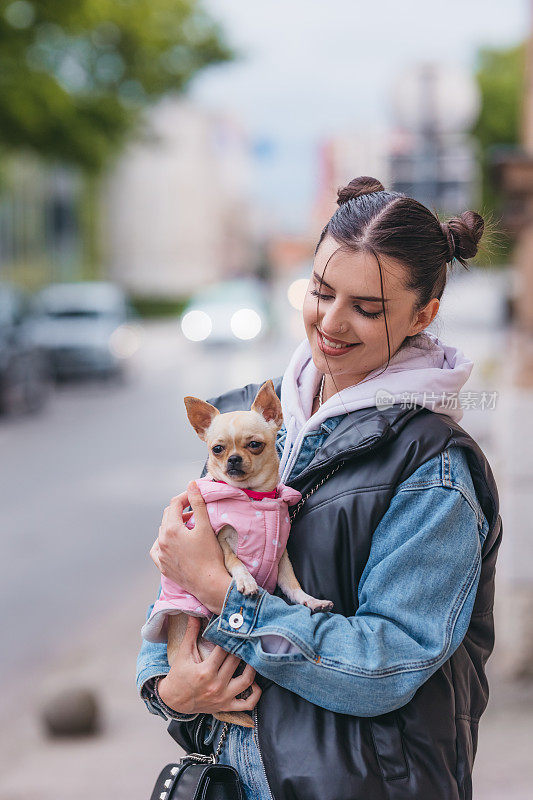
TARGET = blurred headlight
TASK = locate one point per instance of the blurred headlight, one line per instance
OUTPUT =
(296, 293)
(124, 341)
(245, 323)
(196, 325)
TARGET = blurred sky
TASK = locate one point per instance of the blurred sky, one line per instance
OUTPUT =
(310, 68)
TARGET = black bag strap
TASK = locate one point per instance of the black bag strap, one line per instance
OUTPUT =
(295, 510)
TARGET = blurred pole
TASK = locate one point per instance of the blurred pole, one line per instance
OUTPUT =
(430, 134)
(514, 621)
(524, 250)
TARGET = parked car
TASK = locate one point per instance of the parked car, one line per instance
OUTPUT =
(85, 328)
(226, 313)
(24, 369)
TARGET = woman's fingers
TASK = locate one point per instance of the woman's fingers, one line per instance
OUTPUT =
(218, 657)
(155, 554)
(241, 682)
(181, 497)
(228, 667)
(173, 515)
(177, 506)
(245, 705)
(197, 503)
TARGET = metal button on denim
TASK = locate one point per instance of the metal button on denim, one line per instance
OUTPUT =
(235, 621)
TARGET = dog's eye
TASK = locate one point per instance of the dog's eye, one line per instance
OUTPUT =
(255, 445)
(218, 449)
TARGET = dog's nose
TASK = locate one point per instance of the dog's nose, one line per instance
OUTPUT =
(234, 460)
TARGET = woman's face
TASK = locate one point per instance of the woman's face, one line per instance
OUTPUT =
(347, 335)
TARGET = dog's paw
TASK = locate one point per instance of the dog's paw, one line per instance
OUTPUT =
(318, 605)
(246, 584)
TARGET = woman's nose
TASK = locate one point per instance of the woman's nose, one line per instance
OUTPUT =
(333, 322)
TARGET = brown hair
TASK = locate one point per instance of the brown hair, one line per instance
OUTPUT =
(371, 219)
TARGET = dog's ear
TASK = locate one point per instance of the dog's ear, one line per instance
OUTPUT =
(268, 404)
(201, 414)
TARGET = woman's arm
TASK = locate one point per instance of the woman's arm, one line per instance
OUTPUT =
(192, 686)
(152, 666)
(416, 596)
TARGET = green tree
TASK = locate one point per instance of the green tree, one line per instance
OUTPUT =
(500, 76)
(75, 74)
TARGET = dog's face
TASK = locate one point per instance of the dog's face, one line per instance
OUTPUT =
(242, 444)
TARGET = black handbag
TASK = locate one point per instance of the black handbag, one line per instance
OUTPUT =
(199, 777)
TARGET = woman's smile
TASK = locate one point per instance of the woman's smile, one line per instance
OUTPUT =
(333, 347)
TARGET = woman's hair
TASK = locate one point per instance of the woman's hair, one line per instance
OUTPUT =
(371, 219)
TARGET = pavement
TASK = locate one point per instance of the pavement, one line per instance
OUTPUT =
(125, 758)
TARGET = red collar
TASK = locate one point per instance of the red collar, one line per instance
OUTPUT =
(252, 494)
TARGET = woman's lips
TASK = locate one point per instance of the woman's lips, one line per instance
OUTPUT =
(333, 351)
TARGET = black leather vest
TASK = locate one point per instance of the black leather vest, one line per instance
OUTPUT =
(424, 750)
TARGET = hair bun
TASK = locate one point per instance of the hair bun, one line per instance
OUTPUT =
(463, 234)
(358, 187)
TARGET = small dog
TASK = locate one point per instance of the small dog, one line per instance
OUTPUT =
(248, 509)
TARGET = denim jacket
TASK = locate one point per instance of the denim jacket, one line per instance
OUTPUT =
(415, 601)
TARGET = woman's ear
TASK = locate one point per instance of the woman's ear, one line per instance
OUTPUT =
(268, 404)
(424, 317)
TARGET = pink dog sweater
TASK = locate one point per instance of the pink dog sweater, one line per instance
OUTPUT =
(263, 529)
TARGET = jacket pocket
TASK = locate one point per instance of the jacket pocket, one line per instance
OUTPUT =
(388, 745)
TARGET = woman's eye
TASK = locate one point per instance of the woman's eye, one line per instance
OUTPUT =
(320, 295)
(218, 449)
(371, 314)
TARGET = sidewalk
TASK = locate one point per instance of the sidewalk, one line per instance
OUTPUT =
(121, 762)
(125, 759)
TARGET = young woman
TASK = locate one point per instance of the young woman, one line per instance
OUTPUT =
(380, 698)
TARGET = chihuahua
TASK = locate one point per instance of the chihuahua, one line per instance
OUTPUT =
(248, 509)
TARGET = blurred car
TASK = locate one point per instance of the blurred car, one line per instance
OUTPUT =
(86, 328)
(24, 372)
(234, 311)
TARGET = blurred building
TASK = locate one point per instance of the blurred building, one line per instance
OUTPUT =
(439, 171)
(426, 154)
(176, 206)
(432, 157)
(344, 157)
(40, 210)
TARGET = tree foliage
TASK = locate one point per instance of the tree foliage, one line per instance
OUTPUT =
(75, 74)
(501, 79)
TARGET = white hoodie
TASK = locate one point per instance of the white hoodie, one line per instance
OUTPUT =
(426, 372)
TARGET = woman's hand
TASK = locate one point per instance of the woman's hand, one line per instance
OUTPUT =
(195, 686)
(192, 558)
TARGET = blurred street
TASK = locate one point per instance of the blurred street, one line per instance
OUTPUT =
(81, 501)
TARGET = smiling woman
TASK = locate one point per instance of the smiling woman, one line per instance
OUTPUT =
(399, 526)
